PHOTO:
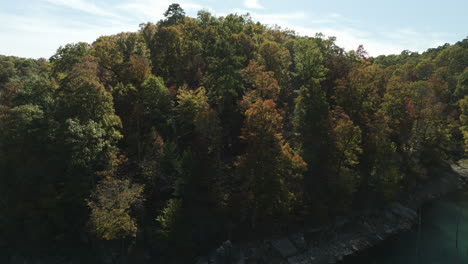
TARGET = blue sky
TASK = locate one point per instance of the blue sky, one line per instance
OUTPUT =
(36, 28)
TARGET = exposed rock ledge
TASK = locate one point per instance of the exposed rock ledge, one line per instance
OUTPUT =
(332, 243)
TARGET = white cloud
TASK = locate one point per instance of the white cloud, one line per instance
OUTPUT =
(252, 4)
(84, 6)
(150, 10)
(271, 18)
(350, 34)
(40, 36)
(384, 43)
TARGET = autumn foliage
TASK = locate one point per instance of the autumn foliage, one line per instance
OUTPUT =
(194, 131)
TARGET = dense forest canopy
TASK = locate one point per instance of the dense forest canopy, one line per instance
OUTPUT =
(193, 131)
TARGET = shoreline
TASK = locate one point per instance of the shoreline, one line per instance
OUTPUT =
(333, 242)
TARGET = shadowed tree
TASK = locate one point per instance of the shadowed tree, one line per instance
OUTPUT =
(268, 178)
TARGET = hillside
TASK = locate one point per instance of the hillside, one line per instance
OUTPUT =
(168, 141)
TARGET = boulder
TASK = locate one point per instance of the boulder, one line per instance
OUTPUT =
(299, 241)
(284, 247)
(225, 253)
(402, 211)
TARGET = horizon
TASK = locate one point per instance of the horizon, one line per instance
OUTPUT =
(38, 29)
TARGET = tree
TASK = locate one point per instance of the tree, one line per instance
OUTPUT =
(201, 136)
(190, 104)
(464, 120)
(264, 85)
(462, 85)
(194, 190)
(85, 139)
(360, 93)
(167, 54)
(277, 59)
(87, 112)
(156, 105)
(108, 54)
(199, 186)
(385, 177)
(26, 194)
(362, 53)
(231, 126)
(174, 15)
(311, 125)
(110, 206)
(66, 57)
(344, 158)
(308, 61)
(82, 96)
(7, 70)
(310, 121)
(268, 177)
(137, 70)
(176, 232)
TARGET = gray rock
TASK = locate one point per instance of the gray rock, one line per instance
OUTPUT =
(225, 253)
(17, 260)
(402, 211)
(299, 241)
(203, 261)
(315, 230)
(388, 215)
(284, 247)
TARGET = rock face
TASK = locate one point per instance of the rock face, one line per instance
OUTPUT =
(284, 247)
(330, 244)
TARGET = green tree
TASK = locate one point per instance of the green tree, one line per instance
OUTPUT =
(310, 122)
(174, 15)
(86, 137)
(27, 176)
(107, 53)
(462, 85)
(464, 120)
(156, 104)
(66, 57)
(167, 54)
(308, 61)
(385, 177)
(311, 127)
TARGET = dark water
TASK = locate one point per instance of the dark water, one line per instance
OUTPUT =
(435, 243)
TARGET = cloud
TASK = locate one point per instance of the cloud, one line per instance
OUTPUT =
(150, 10)
(351, 33)
(380, 43)
(270, 18)
(45, 25)
(41, 35)
(84, 6)
(252, 4)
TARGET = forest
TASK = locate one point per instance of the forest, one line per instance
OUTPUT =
(192, 131)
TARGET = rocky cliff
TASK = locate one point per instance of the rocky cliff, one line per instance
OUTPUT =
(332, 243)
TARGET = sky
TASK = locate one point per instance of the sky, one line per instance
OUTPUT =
(36, 28)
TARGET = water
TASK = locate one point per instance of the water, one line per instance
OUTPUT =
(435, 243)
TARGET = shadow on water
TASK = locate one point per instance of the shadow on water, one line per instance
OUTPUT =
(438, 241)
